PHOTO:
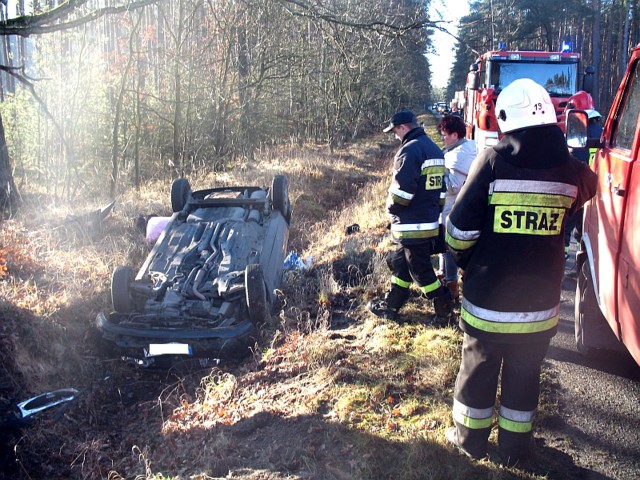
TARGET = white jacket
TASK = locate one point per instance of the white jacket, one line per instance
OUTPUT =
(457, 162)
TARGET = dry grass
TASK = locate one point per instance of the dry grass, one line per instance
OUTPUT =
(330, 392)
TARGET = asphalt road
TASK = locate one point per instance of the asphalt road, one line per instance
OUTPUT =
(598, 425)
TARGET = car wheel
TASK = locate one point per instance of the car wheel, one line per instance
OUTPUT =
(280, 196)
(120, 291)
(180, 192)
(587, 312)
(256, 292)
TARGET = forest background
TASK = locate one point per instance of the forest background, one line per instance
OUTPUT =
(110, 92)
(113, 99)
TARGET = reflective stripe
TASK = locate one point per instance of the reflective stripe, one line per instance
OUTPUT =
(533, 186)
(396, 192)
(433, 171)
(406, 227)
(528, 220)
(458, 244)
(401, 283)
(517, 427)
(433, 162)
(462, 234)
(431, 287)
(414, 234)
(508, 322)
(475, 418)
(399, 200)
(460, 239)
(518, 421)
(517, 415)
(537, 199)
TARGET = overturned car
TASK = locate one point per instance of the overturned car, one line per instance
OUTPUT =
(209, 279)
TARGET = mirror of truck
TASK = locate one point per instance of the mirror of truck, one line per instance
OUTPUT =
(577, 121)
(472, 77)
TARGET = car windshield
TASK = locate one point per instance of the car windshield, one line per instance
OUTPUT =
(559, 79)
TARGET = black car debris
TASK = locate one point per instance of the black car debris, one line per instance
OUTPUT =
(209, 279)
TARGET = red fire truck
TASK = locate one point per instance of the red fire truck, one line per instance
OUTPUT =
(608, 285)
(557, 72)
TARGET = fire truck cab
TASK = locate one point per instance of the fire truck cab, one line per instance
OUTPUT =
(607, 313)
(557, 72)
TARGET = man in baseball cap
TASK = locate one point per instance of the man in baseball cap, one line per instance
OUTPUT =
(403, 117)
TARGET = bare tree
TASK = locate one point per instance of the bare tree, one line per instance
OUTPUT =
(55, 19)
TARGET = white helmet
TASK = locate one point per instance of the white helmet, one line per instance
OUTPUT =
(524, 103)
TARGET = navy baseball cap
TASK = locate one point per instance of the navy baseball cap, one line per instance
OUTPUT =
(400, 118)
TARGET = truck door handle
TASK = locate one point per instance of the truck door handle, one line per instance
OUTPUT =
(618, 191)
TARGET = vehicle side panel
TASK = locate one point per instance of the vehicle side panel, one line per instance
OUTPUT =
(612, 217)
(629, 269)
(628, 294)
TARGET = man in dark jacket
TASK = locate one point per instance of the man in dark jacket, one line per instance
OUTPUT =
(414, 202)
(574, 224)
(506, 230)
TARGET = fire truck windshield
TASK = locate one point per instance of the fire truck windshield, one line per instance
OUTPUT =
(559, 79)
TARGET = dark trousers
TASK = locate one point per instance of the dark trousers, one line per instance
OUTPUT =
(574, 223)
(412, 263)
(475, 394)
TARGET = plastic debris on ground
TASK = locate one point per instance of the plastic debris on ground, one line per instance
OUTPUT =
(155, 226)
(294, 262)
(46, 400)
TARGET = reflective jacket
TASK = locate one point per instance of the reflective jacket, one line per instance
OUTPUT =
(506, 231)
(417, 189)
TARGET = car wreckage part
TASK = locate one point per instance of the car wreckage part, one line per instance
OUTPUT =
(120, 289)
(209, 278)
(180, 192)
(46, 400)
(230, 341)
(255, 293)
(280, 196)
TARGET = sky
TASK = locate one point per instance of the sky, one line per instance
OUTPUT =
(444, 45)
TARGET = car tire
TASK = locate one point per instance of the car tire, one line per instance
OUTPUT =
(280, 196)
(180, 192)
(587, 312)
(256, 293)
(120, 289)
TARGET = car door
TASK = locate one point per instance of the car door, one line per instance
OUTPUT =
(612, 216)
(627, 137)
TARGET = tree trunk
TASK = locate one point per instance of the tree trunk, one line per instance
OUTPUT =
(177, 80)
(9, 196)
(596, 52)
(115, 146)
(624, 48)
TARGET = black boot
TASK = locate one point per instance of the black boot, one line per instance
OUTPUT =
(381, 309)
(392, 302)
(443, 307)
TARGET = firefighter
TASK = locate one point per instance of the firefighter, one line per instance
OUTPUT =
(414, 202)
(506, 230)
(586, 155)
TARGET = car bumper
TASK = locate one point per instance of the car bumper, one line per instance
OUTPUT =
(221, 342)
